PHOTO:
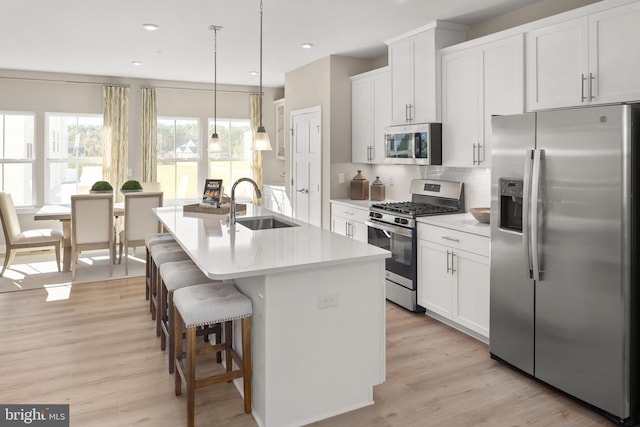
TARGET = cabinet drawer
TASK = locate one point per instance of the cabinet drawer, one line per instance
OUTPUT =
(349, 212)
(455, 239)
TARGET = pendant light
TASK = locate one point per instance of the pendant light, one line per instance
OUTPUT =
(262, 142)
(214, 141)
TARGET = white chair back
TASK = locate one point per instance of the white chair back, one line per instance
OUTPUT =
(153, 187)
(139, 220)
(91, 225)
(9, 217)
(92, 219)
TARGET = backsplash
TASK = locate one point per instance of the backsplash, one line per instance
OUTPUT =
(397, 180)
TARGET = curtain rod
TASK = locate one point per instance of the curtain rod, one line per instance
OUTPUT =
(64, 81)
(241, 92)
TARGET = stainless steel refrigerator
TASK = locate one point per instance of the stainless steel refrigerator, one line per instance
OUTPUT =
(564, 236)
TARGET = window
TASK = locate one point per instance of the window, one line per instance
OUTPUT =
(234, 161)
(178, 155)
(17, 156)
(74, 155)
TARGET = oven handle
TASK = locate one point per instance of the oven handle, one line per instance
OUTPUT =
(408, 232)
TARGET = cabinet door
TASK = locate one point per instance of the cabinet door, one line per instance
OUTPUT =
(359, 231)
(557, 65)
(339, 225)
(361, 112)
(424, 79)
(471, 291)
(434, 279)
(401, 64)
(503, 77)
(381, 87)
(614, 62)
(461, 106)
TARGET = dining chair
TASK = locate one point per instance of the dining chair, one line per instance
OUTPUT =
(91, 226)
(151, 186)
(139, 221)
(15, 238)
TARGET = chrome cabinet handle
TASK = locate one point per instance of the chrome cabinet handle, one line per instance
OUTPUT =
(448, 267)
(591, 78)
(474, 154)
(453, 270)
(449, 238)
(481, 160)
(582, 97)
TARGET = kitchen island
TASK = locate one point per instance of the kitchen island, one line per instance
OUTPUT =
(318, 326)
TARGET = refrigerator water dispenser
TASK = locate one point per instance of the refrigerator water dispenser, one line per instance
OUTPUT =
(511, 204)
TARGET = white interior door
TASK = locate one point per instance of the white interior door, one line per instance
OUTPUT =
(306, 165)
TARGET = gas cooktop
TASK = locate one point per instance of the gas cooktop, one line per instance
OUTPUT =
(414, 209)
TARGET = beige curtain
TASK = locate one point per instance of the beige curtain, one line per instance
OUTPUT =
(149, 153)
(115, 136)
(256, 161)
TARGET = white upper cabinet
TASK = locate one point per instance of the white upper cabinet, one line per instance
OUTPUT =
(370, 114)
(415, 69)
(588, 60)
(479, 82)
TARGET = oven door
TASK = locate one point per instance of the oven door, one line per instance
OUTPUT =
(401, 268)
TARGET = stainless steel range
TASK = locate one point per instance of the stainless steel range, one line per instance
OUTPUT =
(392, 226)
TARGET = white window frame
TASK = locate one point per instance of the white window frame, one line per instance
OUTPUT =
(29, 160)
(50, 161)
(243, 194)
(197, 158)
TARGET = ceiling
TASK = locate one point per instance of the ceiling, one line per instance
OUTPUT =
(103, 37)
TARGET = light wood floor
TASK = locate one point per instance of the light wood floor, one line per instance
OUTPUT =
(98, 352)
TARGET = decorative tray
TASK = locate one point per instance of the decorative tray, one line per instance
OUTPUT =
(211, 209)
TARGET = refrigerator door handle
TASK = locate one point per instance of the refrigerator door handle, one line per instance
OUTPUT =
(526, 206)
(535, 196)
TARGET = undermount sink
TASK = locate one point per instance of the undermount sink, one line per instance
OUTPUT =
(264, 223)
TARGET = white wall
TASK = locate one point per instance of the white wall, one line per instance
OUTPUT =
(326, 83)
(538, 10)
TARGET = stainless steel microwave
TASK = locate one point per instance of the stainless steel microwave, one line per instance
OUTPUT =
(418, 144)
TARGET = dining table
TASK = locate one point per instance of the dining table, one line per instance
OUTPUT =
(62, 213)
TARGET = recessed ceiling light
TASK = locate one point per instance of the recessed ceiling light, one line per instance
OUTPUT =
(253, 73)
(306, 45)
(136, 63)
(150, 27)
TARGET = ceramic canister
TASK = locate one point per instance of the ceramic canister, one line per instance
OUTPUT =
(359, 187)
(377, 190)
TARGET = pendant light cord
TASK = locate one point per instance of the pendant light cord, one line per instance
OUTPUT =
(215, 29)
(261, 63)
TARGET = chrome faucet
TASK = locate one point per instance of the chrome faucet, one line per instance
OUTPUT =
(232, 211)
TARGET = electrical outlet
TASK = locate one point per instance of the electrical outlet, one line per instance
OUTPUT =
(391, 181)
(340, 178)
(326, 301)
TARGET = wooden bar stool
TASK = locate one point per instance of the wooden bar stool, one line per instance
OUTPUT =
(173, 276)
(161, 254)
(207, 304)
(149, 241)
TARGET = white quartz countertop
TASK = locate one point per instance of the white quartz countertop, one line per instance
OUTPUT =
(224, 252)
(364, 204)
(461, 222)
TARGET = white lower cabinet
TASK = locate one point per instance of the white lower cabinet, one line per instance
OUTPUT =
(348, 220)
(453, 277)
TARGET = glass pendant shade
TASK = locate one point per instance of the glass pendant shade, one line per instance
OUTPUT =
(214, 143)
(262, 142)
